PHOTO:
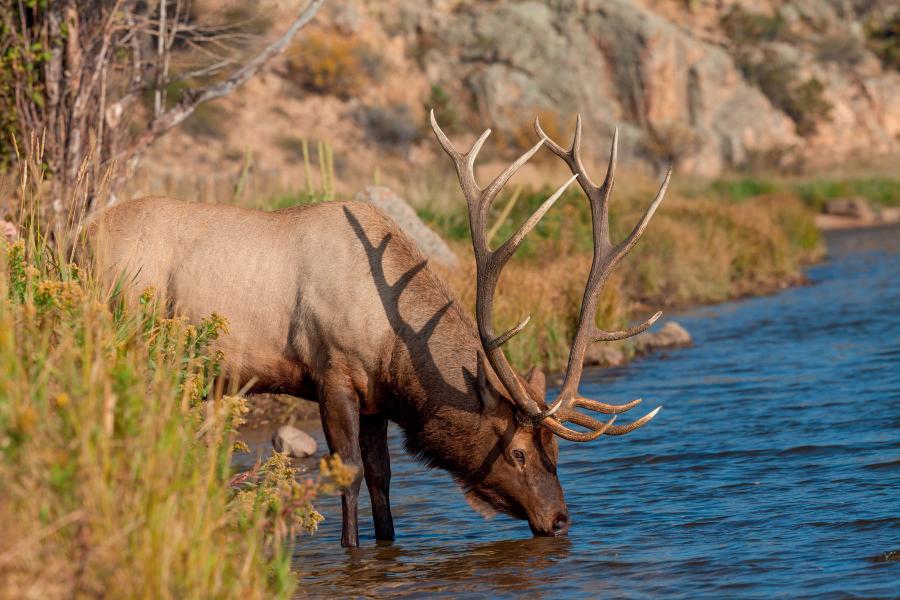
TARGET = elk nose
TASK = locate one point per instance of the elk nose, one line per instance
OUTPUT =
(561, 524)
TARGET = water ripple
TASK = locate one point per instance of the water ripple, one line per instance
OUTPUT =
(774, 470)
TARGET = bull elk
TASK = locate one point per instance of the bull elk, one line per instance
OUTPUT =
(334, 302)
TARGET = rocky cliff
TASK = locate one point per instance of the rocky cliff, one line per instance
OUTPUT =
(707, 84)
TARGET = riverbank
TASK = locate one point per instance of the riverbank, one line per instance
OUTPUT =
(754, 431)
(697, 251)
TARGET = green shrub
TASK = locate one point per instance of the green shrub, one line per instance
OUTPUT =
(391, 127)
(750, 28)
(803, 101)
(115, 454)
(327, 62)
(883, 38)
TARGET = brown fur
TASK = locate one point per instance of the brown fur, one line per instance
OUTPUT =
(333, 301)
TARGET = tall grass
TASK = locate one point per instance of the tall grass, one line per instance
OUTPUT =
(116, 446)
(696, 250)
(814, 191)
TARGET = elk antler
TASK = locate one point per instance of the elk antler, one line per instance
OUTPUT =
(606, 257)
(489, 263)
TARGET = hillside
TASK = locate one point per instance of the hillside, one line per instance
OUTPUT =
(713, 87)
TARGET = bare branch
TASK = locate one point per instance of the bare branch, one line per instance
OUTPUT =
(192, 99)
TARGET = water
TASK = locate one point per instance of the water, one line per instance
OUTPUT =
(773, 470)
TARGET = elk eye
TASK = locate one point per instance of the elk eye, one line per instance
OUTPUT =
(519, 456)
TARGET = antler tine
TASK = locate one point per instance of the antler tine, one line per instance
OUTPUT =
(491, 191)
(490, 263)
(608, 428)
(572, 156)
(602, 407)
(444, 141)
(509, 247)
(577, 436)
(605, 258)
(638, 230)
(624, 334)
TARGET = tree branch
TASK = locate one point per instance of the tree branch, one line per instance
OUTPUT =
(192, 99)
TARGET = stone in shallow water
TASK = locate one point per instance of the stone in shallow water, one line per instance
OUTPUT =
(672, 335)
(296, 443)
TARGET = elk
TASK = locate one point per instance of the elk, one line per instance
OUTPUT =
(334, 302)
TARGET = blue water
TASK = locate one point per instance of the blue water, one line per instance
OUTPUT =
(773, 469)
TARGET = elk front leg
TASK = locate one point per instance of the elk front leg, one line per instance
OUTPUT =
(377, 461)
(340, 420)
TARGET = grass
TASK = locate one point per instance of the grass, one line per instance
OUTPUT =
(696, 250)
(815, 192)
(116, 447)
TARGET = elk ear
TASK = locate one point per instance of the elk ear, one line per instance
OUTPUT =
(536, 379)
(487, 395)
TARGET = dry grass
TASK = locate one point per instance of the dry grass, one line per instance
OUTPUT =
(115, 449)
(696, 250)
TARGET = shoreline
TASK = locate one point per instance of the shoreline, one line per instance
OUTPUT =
(274, 410)
(825, 222)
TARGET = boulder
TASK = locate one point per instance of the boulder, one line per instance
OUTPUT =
(403, 214)
(857, 208)
(604, 356)
(889, 214)
(672, 335)
(293, 442)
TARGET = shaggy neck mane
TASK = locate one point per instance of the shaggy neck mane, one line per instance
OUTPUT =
(433, 397)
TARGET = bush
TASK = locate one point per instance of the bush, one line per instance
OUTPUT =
(883, 38)
(327, 62)
(445, 111)
(749, 28)
(208, 121)
(699, 249)
(803, 101)
(392, 126)
(670, 143)
(841, 48)
(115, 454)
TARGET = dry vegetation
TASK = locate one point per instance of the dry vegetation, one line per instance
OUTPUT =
(115, 448)
(701, 247)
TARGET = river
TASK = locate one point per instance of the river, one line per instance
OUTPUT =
(773, 469)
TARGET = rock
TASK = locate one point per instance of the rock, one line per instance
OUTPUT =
(677, 76)
(403, 214)
(296, 443)
(8, 230)
(672, 335)
(604, 356)
(858, 208)
(889, 214)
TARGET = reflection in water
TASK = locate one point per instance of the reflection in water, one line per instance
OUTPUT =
(514, 565)
(773, 469)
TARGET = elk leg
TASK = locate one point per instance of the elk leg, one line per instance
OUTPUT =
(377, 461)
(340, 420)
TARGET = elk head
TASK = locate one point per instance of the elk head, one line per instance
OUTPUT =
(519, 476)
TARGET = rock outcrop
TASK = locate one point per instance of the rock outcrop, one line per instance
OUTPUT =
(705, 84)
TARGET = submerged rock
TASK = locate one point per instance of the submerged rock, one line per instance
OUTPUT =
(294, 442)
(672, 335)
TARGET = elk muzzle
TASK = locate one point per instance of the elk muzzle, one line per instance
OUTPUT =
(551, 524)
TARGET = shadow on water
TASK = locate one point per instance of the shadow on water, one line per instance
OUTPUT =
(774, 469)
